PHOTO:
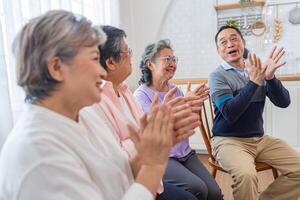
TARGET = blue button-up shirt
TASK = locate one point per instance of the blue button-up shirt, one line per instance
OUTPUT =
(227, 66)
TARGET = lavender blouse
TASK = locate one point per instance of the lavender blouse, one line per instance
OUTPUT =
(144, 95)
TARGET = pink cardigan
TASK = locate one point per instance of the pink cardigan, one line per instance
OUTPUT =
(113, 111)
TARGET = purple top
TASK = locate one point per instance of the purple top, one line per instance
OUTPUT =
(144, 95)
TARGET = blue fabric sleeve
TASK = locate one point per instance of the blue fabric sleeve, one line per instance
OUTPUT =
(233, 108)
(222, 99)
(277, 93)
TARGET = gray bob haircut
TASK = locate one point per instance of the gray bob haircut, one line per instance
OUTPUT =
(57, 33)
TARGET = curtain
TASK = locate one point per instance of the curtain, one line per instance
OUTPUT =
(13, 15)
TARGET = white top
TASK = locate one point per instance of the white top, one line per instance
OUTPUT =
(49, 156)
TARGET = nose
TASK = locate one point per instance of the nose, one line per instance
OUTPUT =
(230, 43)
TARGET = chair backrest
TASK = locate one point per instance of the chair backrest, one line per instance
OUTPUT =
(206, 119)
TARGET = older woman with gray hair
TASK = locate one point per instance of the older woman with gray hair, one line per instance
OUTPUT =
(52, 153)
(158, 66)
(120, 107)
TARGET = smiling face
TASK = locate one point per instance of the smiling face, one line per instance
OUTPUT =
(164, 66)
(83, 77)
(230, 46)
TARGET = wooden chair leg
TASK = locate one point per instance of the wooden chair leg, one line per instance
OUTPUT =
(214, 172)
(275, 173)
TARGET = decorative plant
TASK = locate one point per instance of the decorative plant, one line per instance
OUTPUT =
(232, 23)
(245, 3)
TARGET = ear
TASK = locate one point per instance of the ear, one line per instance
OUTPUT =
(149, 64)
(56, 69)
(218, 49)
(111, 64)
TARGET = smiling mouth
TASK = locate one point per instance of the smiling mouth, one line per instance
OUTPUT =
(232, 52)
(171, 70)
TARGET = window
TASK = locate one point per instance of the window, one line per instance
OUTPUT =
(13, 15)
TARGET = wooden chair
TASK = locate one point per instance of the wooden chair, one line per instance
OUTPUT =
(206, 122)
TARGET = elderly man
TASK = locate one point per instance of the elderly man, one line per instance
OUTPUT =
(238, 91)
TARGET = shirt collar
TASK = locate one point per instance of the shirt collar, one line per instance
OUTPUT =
(226, 66)
(122, 87)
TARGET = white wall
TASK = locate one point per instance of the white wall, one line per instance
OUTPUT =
(190, 22)
(191, 26)
(141, 19)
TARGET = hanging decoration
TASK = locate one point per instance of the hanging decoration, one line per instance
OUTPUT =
(278, 27)
(294, 15)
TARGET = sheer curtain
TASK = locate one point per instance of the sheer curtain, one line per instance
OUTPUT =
(14, 14)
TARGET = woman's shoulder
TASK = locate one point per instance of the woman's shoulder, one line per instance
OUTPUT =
(142, 91)
(178, 92)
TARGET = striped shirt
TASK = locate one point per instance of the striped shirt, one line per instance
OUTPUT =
(239, 102)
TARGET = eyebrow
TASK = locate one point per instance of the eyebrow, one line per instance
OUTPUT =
(233, 34)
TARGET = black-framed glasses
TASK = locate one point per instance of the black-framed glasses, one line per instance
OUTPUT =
(169, 59)
(129, 52)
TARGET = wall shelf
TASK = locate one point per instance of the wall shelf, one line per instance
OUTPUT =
(238, 5)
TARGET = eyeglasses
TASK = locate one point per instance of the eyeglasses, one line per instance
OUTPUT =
(129, 52)
(169, 59)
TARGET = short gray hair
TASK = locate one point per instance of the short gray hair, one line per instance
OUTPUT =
(150, 53)
(56, 33)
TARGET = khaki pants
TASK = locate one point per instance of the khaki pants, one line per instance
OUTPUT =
(237, 156)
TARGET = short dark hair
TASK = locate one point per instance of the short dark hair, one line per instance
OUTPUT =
(112, 46)
(227, 27)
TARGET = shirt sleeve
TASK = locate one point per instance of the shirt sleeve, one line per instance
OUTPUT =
(143, 99)
(277, 93)
(231, 107)
(138, 191)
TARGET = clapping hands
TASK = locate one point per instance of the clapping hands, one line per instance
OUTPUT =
(259, 71)
(273, 62)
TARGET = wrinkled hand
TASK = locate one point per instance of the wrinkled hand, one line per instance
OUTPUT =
(201, 90)
(255, 69)
(185, 122)
(196, 97)
(155, 140)
(272, 63)
(185, 112)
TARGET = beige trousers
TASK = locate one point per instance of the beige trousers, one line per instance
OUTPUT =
(237, 156)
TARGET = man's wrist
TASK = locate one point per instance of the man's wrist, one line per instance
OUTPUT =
(268, 79)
